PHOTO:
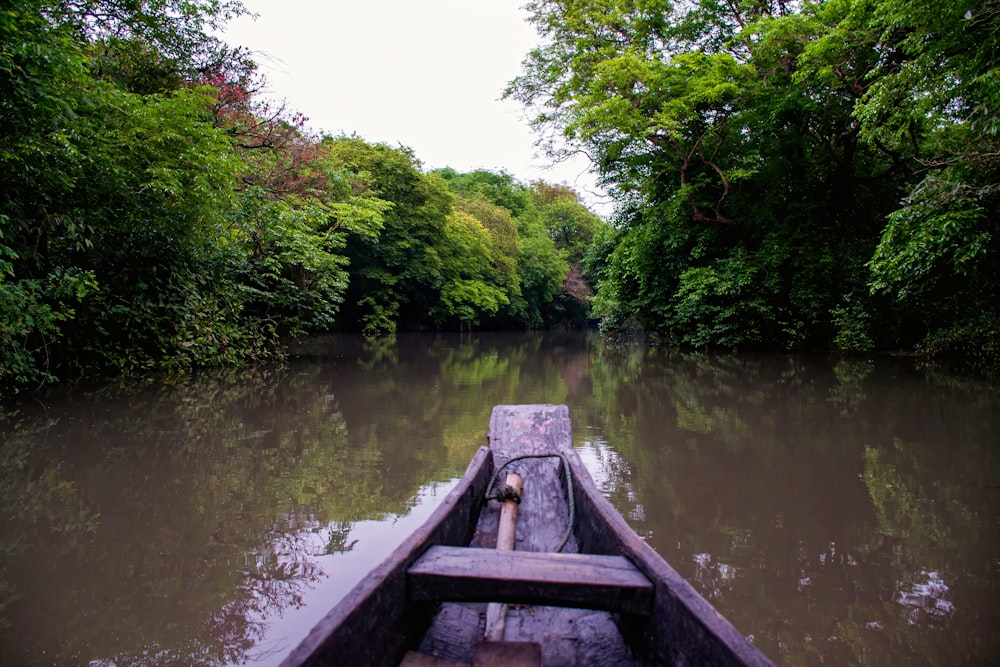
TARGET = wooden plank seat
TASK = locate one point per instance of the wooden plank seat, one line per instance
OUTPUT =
(464, 574)
(565, 599)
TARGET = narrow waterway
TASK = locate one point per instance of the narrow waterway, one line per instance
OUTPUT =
(836, 511)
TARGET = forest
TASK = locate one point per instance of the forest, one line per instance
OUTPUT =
(787, 175)
(158, 213)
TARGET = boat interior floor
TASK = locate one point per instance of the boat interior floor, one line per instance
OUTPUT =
(565, 635)
(487, 654)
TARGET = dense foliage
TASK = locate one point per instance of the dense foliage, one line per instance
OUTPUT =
(789, 174)
(156, 212)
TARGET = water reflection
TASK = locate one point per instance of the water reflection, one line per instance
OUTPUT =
(182, 515)
(840, 512)
(181, 523)
(927, 599)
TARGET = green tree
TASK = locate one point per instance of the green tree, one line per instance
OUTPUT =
(573, 229)
(297, 210)
(571, 225)
(180, 32)
(504, 243)
(542, 270)
(122, 193)
(155, 211)
(540, 267)
(468, 291)
(500, 188)
(396, 279)
(936, 104)
(42, 69)
(749, 202)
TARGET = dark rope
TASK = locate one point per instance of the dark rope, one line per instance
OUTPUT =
(501, 493)
(505, 493)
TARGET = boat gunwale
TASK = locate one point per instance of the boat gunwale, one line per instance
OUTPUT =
(683, 627)
(376, 622)
(602, 529)
(348, 628)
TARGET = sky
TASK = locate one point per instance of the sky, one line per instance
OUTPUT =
(424, 74)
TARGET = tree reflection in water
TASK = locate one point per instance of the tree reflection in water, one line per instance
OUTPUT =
(188, 515)
(926, 599)
(838, 512)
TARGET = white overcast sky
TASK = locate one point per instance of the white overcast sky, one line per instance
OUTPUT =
(427, 74)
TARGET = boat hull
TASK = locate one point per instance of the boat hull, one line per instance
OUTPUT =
(376, 623)
(430, 601)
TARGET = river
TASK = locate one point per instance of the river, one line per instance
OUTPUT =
(837, 511)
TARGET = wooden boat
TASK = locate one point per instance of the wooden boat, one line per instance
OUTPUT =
(605, 599)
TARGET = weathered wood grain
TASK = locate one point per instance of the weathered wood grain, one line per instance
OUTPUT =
(496, 613)
(456, 628)
(390, 611)
(415, 659)
(683, 627)
(507, 654)
(518, 430)
(611, 583)
(568, 636)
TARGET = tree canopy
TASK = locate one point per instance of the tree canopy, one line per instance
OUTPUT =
(788, 174)
(158, 212)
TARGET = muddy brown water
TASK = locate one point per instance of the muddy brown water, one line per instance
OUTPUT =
(837, 511)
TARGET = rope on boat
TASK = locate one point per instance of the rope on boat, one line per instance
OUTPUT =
(507, 493)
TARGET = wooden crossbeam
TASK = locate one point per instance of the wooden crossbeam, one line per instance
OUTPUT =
(461, 574)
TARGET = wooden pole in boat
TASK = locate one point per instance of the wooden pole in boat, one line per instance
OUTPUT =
(496, 612)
